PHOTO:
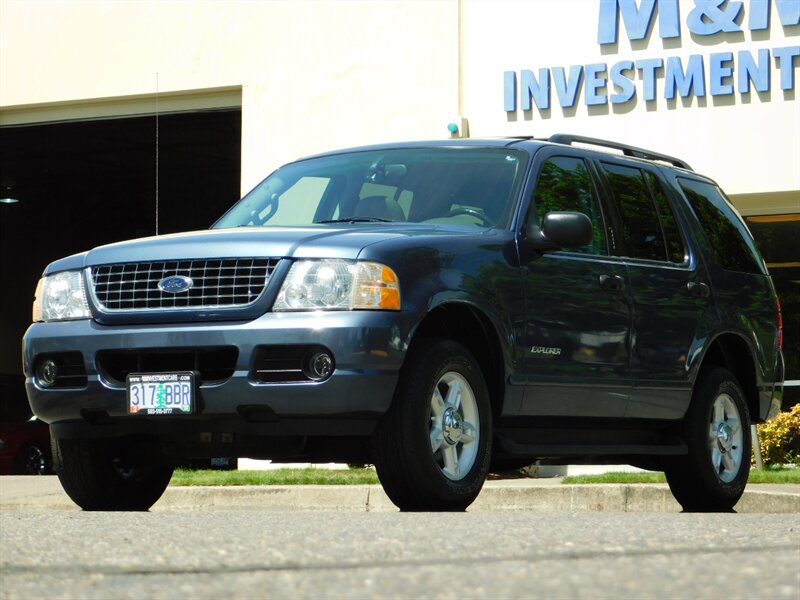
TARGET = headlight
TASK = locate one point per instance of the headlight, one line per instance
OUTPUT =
(60, 297)
(332, 284)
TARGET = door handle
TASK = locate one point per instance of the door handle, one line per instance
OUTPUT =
(698, 289)
(611, 283)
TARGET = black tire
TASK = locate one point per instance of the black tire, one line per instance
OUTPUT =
(415, 476)
(712, 477)
(109, 474)
(33, 459)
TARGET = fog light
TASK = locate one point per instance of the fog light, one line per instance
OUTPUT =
(47, 373)
(320, 366)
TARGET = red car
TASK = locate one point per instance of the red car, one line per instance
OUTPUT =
(25, 448)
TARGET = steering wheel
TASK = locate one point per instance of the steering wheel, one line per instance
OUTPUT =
(465, 210)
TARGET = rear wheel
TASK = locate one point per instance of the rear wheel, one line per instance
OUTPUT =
(432, 448)
(110, 474)
(713, 475)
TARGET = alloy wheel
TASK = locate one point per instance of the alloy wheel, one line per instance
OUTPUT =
(454, 426)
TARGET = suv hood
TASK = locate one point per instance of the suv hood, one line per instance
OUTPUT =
(344, 241)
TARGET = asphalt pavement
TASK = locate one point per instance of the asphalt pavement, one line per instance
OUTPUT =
(268, 554)
(533, 494)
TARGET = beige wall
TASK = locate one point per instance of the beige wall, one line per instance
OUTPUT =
(316, 75)
(748, 144)
(313, 75)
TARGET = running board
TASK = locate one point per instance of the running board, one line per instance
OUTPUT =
(507, 446)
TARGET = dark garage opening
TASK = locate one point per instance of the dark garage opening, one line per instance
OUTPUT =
(86, 183)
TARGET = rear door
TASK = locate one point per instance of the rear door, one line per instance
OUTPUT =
(668, 287)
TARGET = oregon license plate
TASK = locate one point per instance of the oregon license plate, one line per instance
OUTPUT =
(160, 393)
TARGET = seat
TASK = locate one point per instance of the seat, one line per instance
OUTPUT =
(380, 207)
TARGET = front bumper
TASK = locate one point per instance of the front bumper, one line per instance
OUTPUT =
(368, 348)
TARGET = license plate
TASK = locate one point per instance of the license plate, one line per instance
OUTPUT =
(160, 393)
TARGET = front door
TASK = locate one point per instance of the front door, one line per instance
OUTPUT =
(576, 339)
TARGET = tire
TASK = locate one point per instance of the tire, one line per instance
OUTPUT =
(33, 459)
(432, 448)
(110, 475)
(712, 477)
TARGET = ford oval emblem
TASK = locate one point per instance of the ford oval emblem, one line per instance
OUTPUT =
(176, 284)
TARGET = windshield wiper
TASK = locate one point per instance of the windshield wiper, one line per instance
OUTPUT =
(358, 220)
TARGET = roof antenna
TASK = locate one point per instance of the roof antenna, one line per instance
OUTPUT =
(156, 152)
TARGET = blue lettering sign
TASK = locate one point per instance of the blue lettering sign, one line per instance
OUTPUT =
(721, 70)
(622, 81)
(784, 57)
(538, 89)
(789, 12)
(728, 72)
(648, 68)
(748, 71)
(593, 83)
(708, 18)
(758, 13)
(510, 91)
(637, 19)
(567, 89)
(685, 81)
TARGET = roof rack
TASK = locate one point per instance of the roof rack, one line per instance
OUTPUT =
(568, 139)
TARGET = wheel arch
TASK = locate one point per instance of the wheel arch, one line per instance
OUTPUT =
(733, 352)
(469, 326)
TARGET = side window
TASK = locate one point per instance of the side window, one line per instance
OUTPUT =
(676, 251)
(564, 185)
(728, 236)
(641, 230)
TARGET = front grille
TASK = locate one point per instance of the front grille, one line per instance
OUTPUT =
(215, 364)
(215, 283)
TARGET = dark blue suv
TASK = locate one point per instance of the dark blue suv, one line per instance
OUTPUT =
(433, 308)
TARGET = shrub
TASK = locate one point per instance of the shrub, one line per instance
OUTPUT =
(780, 438)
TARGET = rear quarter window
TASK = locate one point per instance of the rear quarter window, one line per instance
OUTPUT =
(728, 236)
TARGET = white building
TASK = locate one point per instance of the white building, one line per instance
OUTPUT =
(714, 84)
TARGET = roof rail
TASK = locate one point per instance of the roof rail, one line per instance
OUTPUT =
(569, 139)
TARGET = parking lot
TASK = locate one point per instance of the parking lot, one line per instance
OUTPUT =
(264, 553)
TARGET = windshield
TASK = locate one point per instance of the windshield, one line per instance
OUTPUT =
(462, 186)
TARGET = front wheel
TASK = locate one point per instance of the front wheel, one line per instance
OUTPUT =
(712, 477)
(432, 447)
(113, 475)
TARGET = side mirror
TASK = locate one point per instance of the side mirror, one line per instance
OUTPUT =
(563, 230)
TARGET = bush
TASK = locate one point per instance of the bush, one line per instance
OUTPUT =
(780, 438)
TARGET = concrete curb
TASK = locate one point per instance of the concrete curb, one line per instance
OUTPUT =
(516, 495)
(371, 498)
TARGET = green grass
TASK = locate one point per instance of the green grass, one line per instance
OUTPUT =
(775, 475)
(768, 475)
(315, 476)
(286, 476)
(614, 477)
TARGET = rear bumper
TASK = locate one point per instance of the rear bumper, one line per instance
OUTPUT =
(772, 397)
